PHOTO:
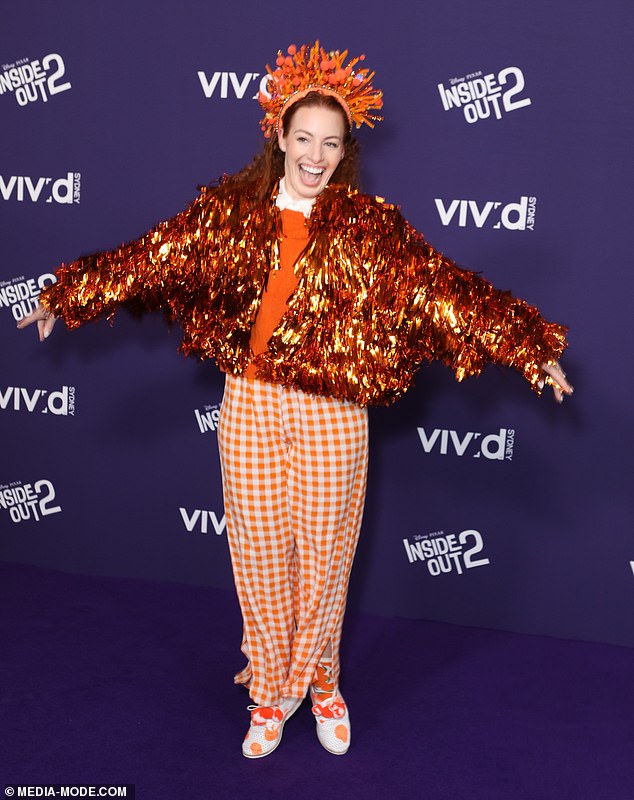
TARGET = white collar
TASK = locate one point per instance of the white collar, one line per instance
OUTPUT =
(284, 200)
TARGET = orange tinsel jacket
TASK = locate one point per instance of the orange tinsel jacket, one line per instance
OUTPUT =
(373, 301)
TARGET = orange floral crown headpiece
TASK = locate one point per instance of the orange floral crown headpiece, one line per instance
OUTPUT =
(312, 69)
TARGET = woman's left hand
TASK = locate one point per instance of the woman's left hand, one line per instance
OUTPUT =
(556, 377)
(45, 321)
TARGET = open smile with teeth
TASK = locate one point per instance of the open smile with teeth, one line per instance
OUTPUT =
(311, 174)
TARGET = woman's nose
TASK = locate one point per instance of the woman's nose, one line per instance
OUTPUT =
(316, 152)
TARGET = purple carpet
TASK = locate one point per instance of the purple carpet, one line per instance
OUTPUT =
(106, 680)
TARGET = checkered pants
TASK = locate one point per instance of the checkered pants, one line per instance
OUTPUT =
(294, 471)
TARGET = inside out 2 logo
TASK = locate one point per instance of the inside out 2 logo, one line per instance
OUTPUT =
(481, 96)
(20, 294)
(30, 81)
(207, 418)
(444, 553)
(29, 500)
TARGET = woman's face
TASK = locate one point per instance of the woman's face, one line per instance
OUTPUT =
(313, 148)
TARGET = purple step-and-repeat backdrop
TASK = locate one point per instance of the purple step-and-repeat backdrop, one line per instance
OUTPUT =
(507, 141)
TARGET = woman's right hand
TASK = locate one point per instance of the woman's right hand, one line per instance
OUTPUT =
(45, 321)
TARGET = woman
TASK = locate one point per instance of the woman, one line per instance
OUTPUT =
(316, 300)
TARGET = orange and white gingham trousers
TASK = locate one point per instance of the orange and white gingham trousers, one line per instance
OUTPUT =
(294, 470)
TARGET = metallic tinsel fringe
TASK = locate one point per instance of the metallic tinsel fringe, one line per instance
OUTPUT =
(374, 300)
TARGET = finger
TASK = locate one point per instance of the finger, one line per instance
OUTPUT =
(549, 380)
(559, 391)
(556, 376)
(48, 325)
(563, 384)
(41, 323)
(28, 320)
(38, 313)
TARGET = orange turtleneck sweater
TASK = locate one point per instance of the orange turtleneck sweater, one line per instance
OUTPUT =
(281, 283)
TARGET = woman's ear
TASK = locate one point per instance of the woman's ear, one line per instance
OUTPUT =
(280, 141)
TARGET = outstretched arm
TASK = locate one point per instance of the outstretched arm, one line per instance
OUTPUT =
(458, 317)
(474, 323)
(149, 271)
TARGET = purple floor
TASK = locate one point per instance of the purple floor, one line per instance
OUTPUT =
(106, 680)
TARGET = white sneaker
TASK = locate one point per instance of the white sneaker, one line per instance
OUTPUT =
(267, 724)
(332, 721)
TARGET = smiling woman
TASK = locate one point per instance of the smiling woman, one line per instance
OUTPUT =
(269, 166)
(316, 300)
(312, 142)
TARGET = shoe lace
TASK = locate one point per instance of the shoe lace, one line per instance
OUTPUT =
(266, 715)
(332, 707)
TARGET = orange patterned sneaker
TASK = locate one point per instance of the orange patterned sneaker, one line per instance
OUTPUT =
(267, 724)
(333, 721)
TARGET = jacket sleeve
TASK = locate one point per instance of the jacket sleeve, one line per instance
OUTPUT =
(468, 322)
(454, 315)
(149, 272)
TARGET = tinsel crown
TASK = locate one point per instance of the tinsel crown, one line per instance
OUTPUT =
(311, 69)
